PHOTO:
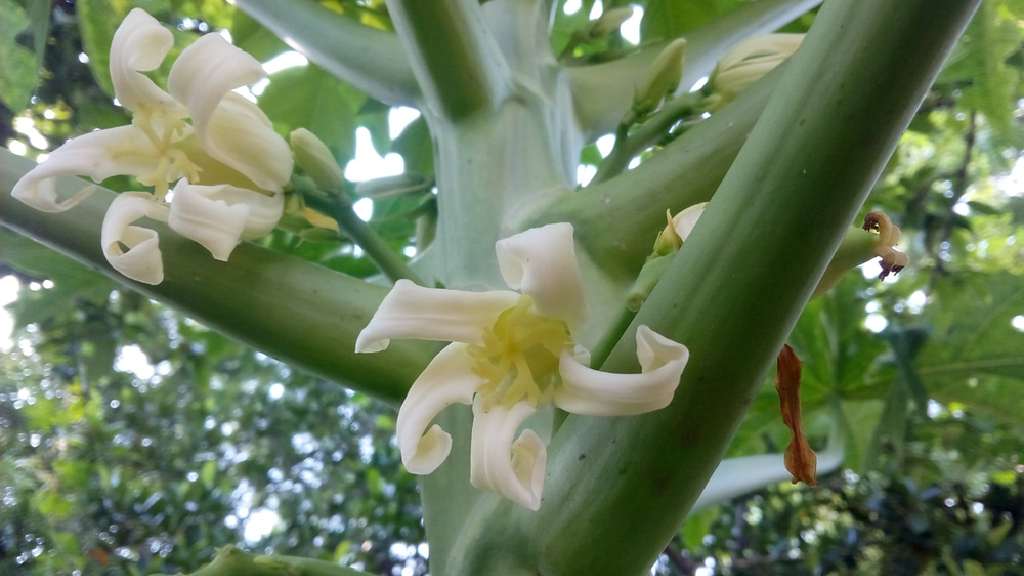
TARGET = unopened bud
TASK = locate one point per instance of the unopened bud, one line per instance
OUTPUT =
(751, 59)
(667, 244)
(313, 156)
(679, 227)
(610, 21)
(663, 78)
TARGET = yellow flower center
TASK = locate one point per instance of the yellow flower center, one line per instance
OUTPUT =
(166, 134)
(519, 356)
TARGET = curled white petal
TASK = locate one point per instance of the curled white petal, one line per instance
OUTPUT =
(142, 261)
(140, 45)
(447, 380)
(514, 470)
(240, 135)
(99, 154)
(541, 262)
(411, 311)
(595, 393)
(206, 71)
(219, 217)
(231, 129)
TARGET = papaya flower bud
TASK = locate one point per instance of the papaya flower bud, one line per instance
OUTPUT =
(662, 80)
(748, 61)
(313, 156)
(609, 21)
(666, 244)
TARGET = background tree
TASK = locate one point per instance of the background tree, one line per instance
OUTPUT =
(115, 466)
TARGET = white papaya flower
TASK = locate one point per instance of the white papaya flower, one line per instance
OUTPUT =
(511, 353)
(229, 144)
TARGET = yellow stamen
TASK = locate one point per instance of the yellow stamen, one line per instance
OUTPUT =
(518, 356)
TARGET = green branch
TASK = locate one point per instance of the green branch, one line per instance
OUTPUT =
(291, 309)
(460, 68)
(630, 143)
(390, 264)
(231, 561)
(369, 59)
(683, 173)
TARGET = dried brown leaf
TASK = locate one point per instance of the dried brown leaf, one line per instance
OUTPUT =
(799, 458)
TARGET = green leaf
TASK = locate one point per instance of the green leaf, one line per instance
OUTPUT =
(18, 73)
(666, 19)
(254, 38)
(982, 58)
(416, 147)
(72, 281)
(976, 355)
(308, 97)
(99, 19)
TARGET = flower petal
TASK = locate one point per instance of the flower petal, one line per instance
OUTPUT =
(219, 217)
(447, 380)
(684, 222)
(541, 263)
(142, 260)
(232, 129)
(206, 71)
(140, 45)
(240, 135)
(99, 155)
(411, 311)
(595, 393)
(514, 470)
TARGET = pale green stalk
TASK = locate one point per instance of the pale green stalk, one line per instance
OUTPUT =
(493, 107)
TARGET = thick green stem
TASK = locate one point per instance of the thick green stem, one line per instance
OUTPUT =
(369, 59)
(293, 310)
(618, 488)
(460, 69)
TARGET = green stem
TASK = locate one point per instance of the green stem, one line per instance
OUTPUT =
(459, 67)
(389, 263)
(289, 308)
(612, 336)
(333, 202)
(367, 58)
(629, 144)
